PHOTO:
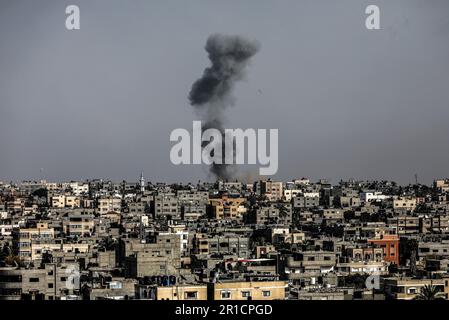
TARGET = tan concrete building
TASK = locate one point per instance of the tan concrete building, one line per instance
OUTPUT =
(442, 184)
(404, 203)
(182, 292)
(227, 208)
(23, 239)
(264, 290)
(80, 225)
(408, 288)
(51, 282)
(163, 257)
(38, 249)
(57, 201)
(273, 190)
(110, 204)
(64, 201)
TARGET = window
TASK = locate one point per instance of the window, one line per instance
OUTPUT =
(34, 279)
(246, 294)
(412, 290)
(192, 295)
(226, 294)
(266, 293)
(50, 285)
(63, 278)
(115, 285)
(11, 278)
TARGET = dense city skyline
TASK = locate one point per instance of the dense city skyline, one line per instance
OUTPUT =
(101, 101)
(300, 240)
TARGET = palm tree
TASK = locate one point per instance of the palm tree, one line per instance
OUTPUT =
(8, 257)
(430, 292)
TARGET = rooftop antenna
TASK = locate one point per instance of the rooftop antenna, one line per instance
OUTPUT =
(416, 178)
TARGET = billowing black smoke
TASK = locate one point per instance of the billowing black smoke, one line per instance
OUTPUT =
(212, 93)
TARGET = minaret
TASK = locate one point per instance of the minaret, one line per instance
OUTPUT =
(142, 183)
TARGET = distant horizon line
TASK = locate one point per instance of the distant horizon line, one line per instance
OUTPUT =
(201, 181)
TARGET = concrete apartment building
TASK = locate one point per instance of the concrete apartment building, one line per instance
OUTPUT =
(226, 290)
(39, 249)
(167, 206)
(106, 287)
(79, 188)
(430, 249)
(442, 185)
(23, 238)
(51, 282)
(408, 288)
(229, 244)
(434, 224)
(332, 215)
(181, 292)
(264, 215)
(233, 186)
(405, 224)
(64, 201)
(186, 196)
(305, 267)
(227, 208)
(372, 196)
(272, 190)
(183, 236)
(257, 290)
(193, 204)
(289, 194)
(404, 204)
(305, 200)
(78, 225)
(323, 294)
(162, 257)
(109, 204)
(192, 211)
(390, 246)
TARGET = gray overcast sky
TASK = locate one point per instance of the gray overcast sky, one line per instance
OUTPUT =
(101, 102)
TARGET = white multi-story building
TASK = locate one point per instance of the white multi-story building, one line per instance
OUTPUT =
(289, 194)
(79, 188)
(369, 196)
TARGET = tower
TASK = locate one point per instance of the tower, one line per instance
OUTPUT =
(142, 183)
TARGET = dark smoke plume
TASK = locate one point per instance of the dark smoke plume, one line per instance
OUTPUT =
(212, 93)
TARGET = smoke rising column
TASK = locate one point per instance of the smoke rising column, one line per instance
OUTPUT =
(212, 93)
